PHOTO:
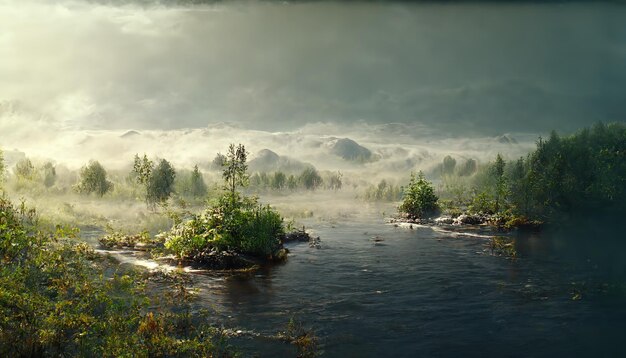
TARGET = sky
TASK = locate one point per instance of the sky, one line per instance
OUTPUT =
(460, 68)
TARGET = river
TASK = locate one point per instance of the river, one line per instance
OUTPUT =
(375, 290)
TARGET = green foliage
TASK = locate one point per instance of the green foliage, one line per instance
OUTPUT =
(2, 166)
(161, 182)
(55, 300)
(158, 181)
(191, 184)
(239, 224)
(499, 182)
(49, 174)
(198, 186)
(24, 169)
(119, 240)
(252, 228)
(419, 198)
(292, 182)
(482, 203)
(142, 169)
(93, 179)
(456, 190)
(310, 178)
(236, 222)
(334, 181)
(580, 172)
(503, 246)
(383, 192)
(235, 168)
(448, 165)
(469, 168)
(279, 181)
(218, 162)
(563, 177)
(304, 339)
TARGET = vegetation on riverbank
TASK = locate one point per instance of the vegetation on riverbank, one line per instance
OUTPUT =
(57, 297)
(565, 177)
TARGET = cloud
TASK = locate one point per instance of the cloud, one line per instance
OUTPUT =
(462, 69)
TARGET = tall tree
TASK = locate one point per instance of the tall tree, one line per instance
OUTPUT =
(142, 168)
(310, 178)
(93, 179)
(449, 164)
(161, 182)
(279, 180)
(235, 168)
(197, 186)
(49, 174)
(497, 173)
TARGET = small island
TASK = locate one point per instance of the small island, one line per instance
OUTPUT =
(235, 233)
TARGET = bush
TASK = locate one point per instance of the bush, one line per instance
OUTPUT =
(419, 198)
(93, 179)
(240, 224)
(236, 223)
(57, 299)
(310, 178)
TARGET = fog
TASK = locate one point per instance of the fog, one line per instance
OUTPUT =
(407, 83)
(459, 69)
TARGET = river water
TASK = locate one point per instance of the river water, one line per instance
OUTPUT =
(375, 290)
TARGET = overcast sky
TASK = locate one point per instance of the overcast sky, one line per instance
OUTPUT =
(459, 68)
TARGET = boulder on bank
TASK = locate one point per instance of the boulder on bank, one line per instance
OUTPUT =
(444, 220)
(466, 219)
(301, 236)
(221, 260)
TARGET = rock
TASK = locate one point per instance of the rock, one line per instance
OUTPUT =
(315, 243)
(142, 246)
(221, 260)
(296, 236)
(281, 255)
(466, 219)
(444, 220)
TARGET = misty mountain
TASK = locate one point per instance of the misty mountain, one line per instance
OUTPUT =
(350, 150)
(506, 139)
(130, 134)
(268, 161)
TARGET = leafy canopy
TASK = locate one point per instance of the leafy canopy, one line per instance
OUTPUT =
(93, 179)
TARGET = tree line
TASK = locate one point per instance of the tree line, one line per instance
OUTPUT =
(564, 177)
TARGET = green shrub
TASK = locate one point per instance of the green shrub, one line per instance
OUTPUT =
(55, 300)
(240, 224)
(93, 179)
(419, 198)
